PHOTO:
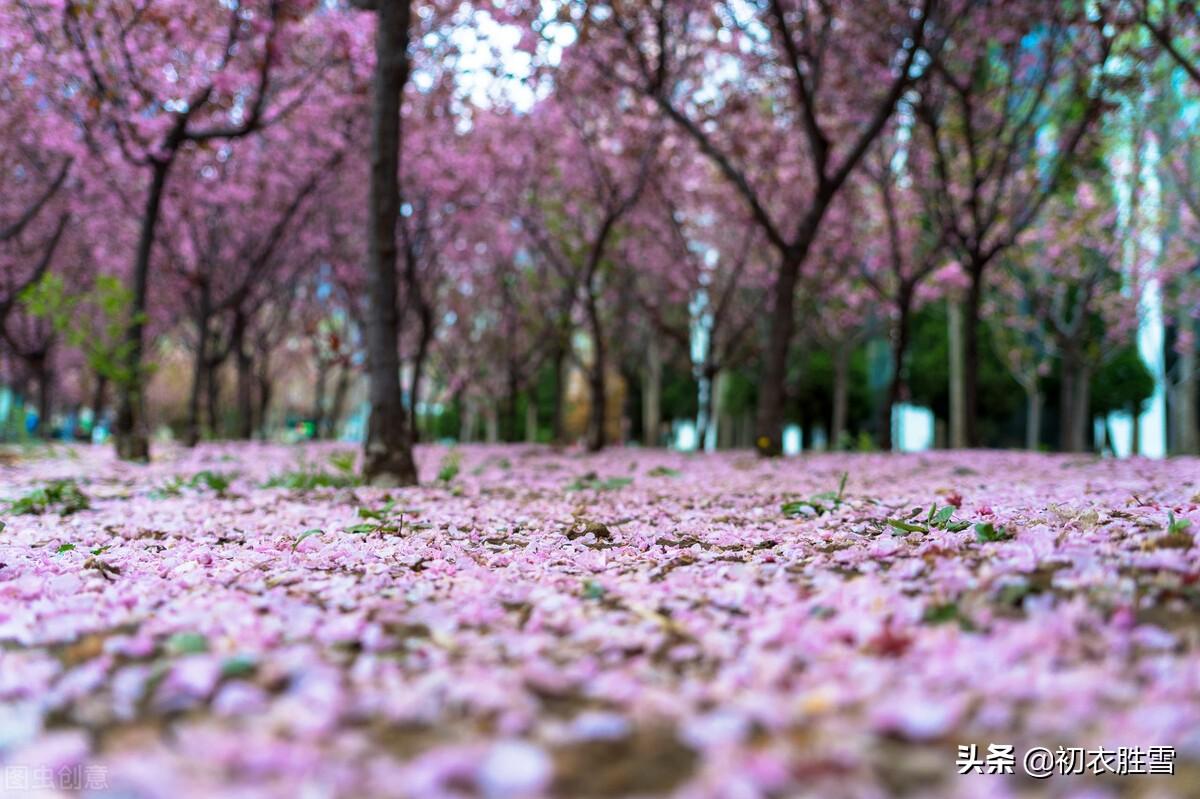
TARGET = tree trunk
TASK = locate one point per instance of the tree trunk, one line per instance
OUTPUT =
(597, 434)
(419, 361)
(560, 390)
(191, 436)
(319, 391)
(212, 396)
(245, 390)
(1135, 427)
(1033, 415)
(491, 424)
(531, 417)
(387, 457)
(769, 422)
(1186, 440)
(841, 397)
(970, 354)
(652, 394)
(98, 399)
(1074, 402)
(705, 424)
(896, 387)
(958, 378)
(45, 383)
(264, 394)
(467, 423)
(131, 435)
(510, 405)
(341, 389)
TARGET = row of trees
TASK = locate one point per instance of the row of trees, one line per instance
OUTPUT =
(468, 204)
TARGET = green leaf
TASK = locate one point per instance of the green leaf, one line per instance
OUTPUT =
(942, 517)
(304, 535)
(64, 548)
(239, 666)
(187, 644)
(906, 527)
(940, 614)
(987, 532)
(362, 528)
(593, 590)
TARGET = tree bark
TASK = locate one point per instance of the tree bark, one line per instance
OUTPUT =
(841, 397)
(896, 392)
(387, 457)
(652, 394)
(1033, 416)
(559, 424)
(970, 338)
(245, 388)
(706, 422)
(263, 379)
(1074, 402)
(191, 436)
(319, 391)
(1186, 440)
(419, 361)
(337, 409)
(98, 399)
(597, 435)
(45, 382)
(131, 434)
(531, 417)
(212, 396)
(769, 421)
(491, 424)
(958, 390)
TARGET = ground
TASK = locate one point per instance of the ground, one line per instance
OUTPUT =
(244, 620)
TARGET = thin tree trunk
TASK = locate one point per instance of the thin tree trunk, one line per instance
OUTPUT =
(531, 417)
(341, 389)
(1074, 402)
(706, 424)
(560, 389)
(319, 391)
(98, 399)
(131, 434)
(841, 397)
(263, 379)
(418, 374)
(970, 351)
(467, 424)
(491, 424)
(652, 394)
(510, 405)
(1184, 396)
(1033, 415)
(769, 420)
(212, 396)
(387, 457)
(958, 391)
(191, 436)
(597, 435)
(1135, 438)
(44, 390)
(245, 389)
(896, 387)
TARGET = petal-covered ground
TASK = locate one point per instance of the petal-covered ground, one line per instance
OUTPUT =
(243, 620)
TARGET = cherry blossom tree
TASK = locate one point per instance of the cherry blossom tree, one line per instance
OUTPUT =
(817, 82)
(1013, 69)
